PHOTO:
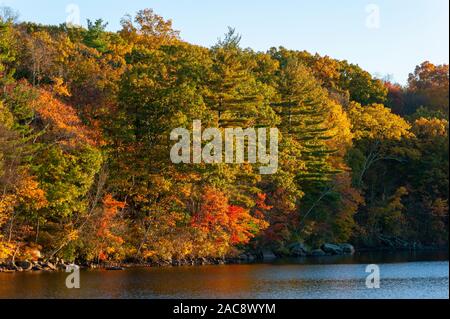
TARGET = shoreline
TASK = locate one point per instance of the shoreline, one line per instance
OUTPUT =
(46, 266)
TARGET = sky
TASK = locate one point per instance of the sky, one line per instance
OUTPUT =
(385, 37)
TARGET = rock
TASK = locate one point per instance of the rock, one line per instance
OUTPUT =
(25, 265)
(281, 252)
(298, 250)
(242, 257)
(386, 241)
(115, 268)
(347, 249)
(48, 265)
(37, 268)
(332, 249)
(177, 263)
(318, 253)
(167, 262)
(8, 266)
(6, 270)
(51, 266)
(61, 266)
(268, 255)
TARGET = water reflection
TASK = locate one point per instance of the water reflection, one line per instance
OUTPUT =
(403, 275)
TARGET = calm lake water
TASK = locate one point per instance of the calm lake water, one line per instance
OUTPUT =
(403, 275)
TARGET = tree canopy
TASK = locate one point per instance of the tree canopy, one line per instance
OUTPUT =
(85, 170)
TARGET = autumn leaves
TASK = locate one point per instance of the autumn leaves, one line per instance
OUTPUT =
(273, 148)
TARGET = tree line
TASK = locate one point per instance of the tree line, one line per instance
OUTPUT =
(85, 170)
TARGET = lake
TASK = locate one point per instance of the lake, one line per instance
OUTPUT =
(402, 275)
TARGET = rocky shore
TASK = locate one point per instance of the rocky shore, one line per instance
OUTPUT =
(294, 250)
(25, 265)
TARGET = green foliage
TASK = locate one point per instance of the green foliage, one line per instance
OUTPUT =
(96, 36)
(362, 86)
(85, 123)
(67, 177)
(7, 50)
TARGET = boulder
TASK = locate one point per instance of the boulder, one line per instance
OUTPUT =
(177, 263)
(61, 266)
(246, 257)
(318, 253)
(221, 262)
(332, 249)
(347, 249)
(25, 265)
(48, 265)
(298, 250)
(268, 255)
(37, 267)
(7, 270)
(242, 257)
(281, 252)
(115, 268)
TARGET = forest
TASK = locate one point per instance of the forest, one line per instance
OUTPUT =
(85, 170)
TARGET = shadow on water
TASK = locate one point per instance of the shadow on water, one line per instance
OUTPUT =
(374, 257)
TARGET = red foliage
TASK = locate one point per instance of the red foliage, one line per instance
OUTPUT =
(216, 216)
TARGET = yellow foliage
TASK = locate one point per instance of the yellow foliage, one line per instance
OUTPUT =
(6, 249)
(340, 125)
(7, 202)
(430, 127)
(60, 88)
(377, 122)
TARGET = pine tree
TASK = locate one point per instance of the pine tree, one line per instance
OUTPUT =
(234, 93)
(7, 52)
(303, 108)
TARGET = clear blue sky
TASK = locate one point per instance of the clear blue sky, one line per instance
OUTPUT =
(409, 32)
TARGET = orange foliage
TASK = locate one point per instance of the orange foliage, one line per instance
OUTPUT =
(242, 225)
(110, 209)
(217, 216)
(64, 121)
(105, 224)
(30, 195)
